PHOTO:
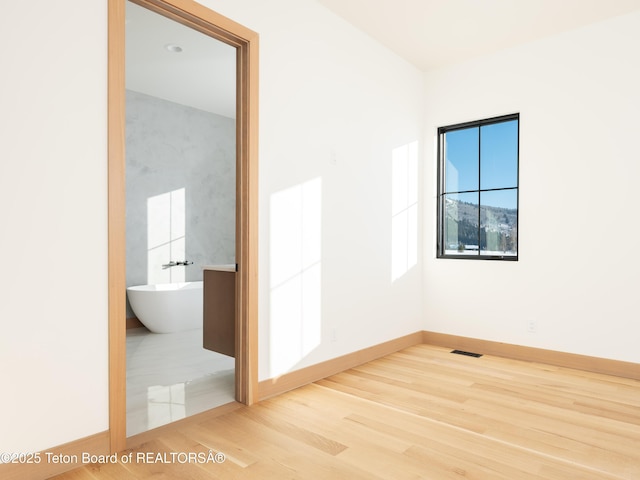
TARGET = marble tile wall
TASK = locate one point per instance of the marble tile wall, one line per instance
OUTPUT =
(180, 189)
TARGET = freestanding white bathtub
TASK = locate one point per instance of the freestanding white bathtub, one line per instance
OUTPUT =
(166, 308)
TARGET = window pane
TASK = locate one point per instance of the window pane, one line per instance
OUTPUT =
(461, 160)
(499, 222)
(499, 155)
(461, 224)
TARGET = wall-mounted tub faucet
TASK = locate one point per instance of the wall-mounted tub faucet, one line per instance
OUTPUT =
(176, 264)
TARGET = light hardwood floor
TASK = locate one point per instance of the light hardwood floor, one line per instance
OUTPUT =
(420, 413)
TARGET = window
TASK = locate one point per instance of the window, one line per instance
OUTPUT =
(478, 189)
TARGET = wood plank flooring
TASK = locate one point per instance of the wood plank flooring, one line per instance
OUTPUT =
(419, 413)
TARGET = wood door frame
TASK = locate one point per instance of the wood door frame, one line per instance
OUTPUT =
(193, 15)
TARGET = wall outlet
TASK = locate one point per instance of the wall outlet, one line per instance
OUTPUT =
(532, 326)
(333, 157)
(334, 335)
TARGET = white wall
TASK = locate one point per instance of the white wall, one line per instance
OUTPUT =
(577, 277)
(327, 90)
(53, 206)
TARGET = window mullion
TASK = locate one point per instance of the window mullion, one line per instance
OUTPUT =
(479, 187)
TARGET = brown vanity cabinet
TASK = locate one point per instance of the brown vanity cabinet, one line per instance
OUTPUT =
(219, 312)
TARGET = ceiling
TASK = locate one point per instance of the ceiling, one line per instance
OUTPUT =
(434, 33)
(202, 75)
(427, 33)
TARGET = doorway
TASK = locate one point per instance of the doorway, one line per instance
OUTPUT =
(181, 191)
(245, 41)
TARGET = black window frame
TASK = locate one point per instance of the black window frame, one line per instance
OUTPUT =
(442, 131)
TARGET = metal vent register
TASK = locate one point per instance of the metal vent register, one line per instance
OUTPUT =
(468, 354)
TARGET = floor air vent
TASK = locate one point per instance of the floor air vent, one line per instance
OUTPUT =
(468, 354)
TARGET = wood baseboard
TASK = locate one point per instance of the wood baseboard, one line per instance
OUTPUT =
(298, 378)
(289, 381)
(97, 444)
(518, 352)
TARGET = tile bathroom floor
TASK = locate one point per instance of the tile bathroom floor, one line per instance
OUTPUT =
(171, 376)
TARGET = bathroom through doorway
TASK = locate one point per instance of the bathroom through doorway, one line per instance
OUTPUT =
(244, 41)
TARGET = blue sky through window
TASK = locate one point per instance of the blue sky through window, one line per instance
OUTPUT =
(461, 151)
(499, 155)
(498, 147)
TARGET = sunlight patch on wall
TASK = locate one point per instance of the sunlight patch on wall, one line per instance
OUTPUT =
(166, 234)
(404, 209)
(295, 261)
